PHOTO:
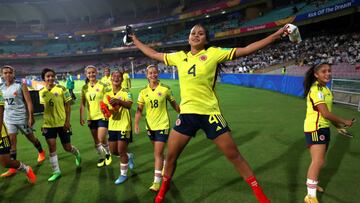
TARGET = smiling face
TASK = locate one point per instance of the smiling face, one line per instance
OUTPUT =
(152, 74)
(323, 74)
(91, 73)
(8, 74)
(107, 72)
(116, 78)
(49, 78)
(197, 37)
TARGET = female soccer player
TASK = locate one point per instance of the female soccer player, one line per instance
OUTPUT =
(155, 96)
(91, 95)
(56, 100)
(126, 82)
(199, 105)
(5, 157)
(106, 79)
(18, 115)
(317, 122)
(120, 133)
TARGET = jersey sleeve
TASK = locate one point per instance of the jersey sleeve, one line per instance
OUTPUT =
(2, 103)
(172, 59)
(41, 97)
(129, 97)
(140, 99)
(169, 95)
(223, 54)
(317, 96)
(66, 95)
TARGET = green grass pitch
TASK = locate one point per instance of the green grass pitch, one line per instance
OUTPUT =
(267, 127)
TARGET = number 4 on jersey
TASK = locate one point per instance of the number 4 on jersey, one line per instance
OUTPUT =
(192, 70)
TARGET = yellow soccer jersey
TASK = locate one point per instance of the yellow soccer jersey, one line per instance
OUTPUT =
(3, 129)
(54, 109)
(106, 80)
(126, 81)
(317, 95)
(93, 95)
(155, 102)
(121, 119)
(197, 78)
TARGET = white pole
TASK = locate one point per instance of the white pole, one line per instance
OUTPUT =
(173, 70)
(132, 69)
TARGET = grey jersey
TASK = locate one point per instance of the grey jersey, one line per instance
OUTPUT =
(15, 109)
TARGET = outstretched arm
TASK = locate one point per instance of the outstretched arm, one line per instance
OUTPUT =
(148, 51)
(243, 51)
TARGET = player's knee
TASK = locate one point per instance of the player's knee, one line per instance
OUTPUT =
(234, 157)
(319, 162)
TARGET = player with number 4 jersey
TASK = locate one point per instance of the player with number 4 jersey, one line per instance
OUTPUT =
(199, 107)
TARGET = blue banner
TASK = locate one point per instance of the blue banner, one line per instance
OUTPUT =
(291, 85)
(327, 10)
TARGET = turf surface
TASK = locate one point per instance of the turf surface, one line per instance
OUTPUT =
(267, 126)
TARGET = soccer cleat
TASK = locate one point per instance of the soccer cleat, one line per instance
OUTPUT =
(131, 161)
(309, 199)
(155, 187)
(101, 163)
(41, 157)
(78, 159)
(31, 176)
(54, 176)
(9, 173)
(108, 159)
(120, 180)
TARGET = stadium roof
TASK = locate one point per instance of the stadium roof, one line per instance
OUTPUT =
(48, 11)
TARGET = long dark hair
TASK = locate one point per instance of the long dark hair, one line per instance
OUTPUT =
(46, 70)
(310, 78)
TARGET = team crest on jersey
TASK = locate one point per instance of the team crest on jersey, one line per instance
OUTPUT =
(203, 58)
(97, 89)
(178, 122)
(159, 94)
(56, 94)
(322, 137)
(15, 94)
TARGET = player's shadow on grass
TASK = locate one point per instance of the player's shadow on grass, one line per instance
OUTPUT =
(106, 175)
(73, 187)
(22, 191)
(206, 156)
(51, 193)
(290, 157)
(5, 183)
(334, 157)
